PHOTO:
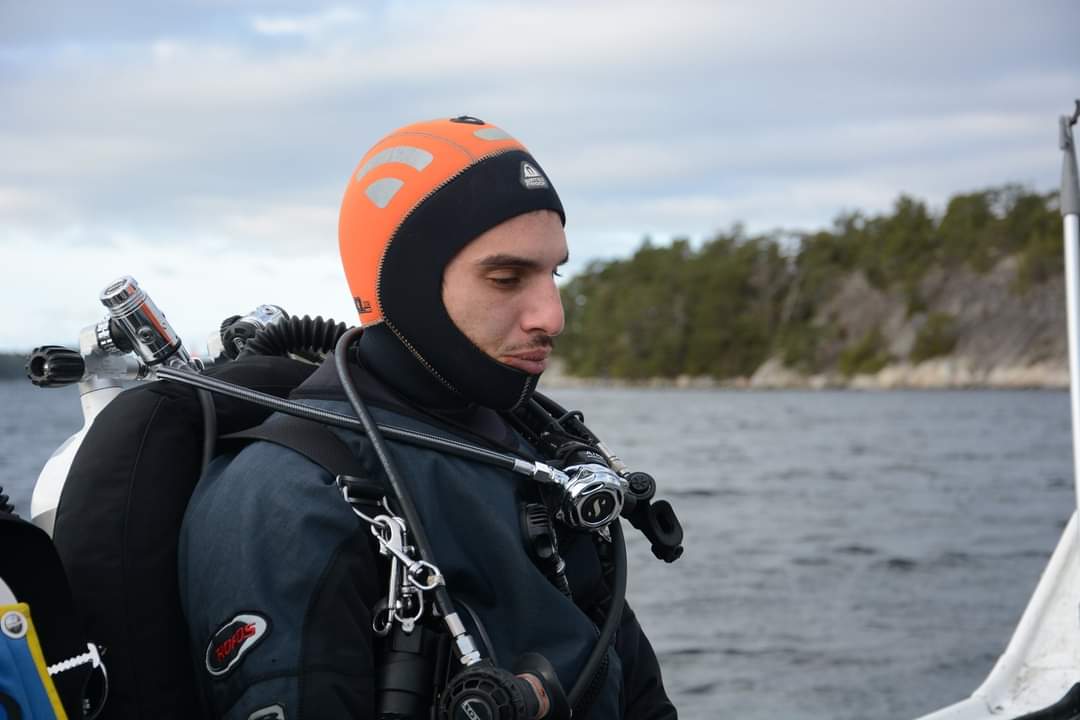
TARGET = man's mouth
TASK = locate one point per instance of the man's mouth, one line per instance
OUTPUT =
(533, 361)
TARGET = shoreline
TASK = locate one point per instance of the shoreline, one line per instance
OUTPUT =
(937, 374)
(941, 374)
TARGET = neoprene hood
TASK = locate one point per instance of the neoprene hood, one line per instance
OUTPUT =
(418, 197)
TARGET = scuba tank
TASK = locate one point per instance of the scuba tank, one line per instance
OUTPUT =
(114, 494)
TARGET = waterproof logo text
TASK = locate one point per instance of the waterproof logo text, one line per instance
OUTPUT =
(233, 640)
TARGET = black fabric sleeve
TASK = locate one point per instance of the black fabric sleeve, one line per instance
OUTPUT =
(337, 669)
(278, 578)
(643, 686)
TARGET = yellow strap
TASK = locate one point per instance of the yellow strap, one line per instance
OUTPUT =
(39, 658)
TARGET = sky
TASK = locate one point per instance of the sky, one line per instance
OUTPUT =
(204, 147)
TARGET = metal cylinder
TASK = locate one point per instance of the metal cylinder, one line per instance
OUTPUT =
(136, 315)
(1072, 275)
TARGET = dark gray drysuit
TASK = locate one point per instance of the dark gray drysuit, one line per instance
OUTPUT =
(278, 576)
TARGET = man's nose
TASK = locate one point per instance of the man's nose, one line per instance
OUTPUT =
(545, 311)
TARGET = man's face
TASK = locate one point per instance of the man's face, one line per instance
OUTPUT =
(500, 290)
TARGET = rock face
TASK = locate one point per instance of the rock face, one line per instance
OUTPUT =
(1003, 336)
(996, 334)
(961, 372)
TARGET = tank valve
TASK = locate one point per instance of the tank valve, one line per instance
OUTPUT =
(55, 366)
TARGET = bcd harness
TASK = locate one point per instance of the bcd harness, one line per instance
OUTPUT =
(119, 516)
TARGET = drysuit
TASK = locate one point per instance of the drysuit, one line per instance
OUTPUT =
(279, 578)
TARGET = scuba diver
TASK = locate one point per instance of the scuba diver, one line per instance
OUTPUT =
(306, 586)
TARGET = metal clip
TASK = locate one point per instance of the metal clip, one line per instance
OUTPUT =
(420, 573)
(389, 532)
(409, 578)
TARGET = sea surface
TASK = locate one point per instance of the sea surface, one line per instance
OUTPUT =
(849, 555)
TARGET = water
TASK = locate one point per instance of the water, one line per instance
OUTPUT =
(849, 555)
(33, 423)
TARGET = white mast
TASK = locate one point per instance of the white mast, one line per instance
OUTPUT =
(1070, 214)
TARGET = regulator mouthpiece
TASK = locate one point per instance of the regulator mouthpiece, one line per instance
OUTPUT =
(593, 496)
(138, 319)
(237, 330)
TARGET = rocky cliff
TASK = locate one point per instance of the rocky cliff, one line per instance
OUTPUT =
(1000, 334)
(969, 295)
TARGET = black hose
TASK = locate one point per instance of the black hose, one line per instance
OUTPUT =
(552, 415)
(611, 622)
(348, 422)
(572, 420)
(306, 336)
(443, 601)
(210, 426)
(481, 631)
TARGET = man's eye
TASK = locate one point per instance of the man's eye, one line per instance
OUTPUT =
(504, 281)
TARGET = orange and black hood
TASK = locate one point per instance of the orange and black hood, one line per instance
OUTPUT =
(416, 199)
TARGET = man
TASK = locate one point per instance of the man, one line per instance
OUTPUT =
(451, 235)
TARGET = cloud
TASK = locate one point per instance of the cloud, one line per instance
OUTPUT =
(233, 127)
(16, 201)
(58, 286)
(281, 227)
(309, 25)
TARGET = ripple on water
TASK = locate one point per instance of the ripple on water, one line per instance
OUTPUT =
(815, 585)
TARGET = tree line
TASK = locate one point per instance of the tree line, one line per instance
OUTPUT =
(725, 306)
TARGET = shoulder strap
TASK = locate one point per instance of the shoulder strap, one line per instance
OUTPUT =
(320, 445)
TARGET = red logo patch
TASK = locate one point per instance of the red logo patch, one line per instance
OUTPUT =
(233, 640)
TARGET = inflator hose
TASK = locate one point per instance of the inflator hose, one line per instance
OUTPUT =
(397, 485)
(303, 336)
(611, 622)
(412, 519)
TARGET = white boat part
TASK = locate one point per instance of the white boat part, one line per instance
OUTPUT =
(1042, 660)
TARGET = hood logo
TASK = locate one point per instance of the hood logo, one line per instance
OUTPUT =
(234, 640)
(471, 707)
(531, 178)
(362, 305)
